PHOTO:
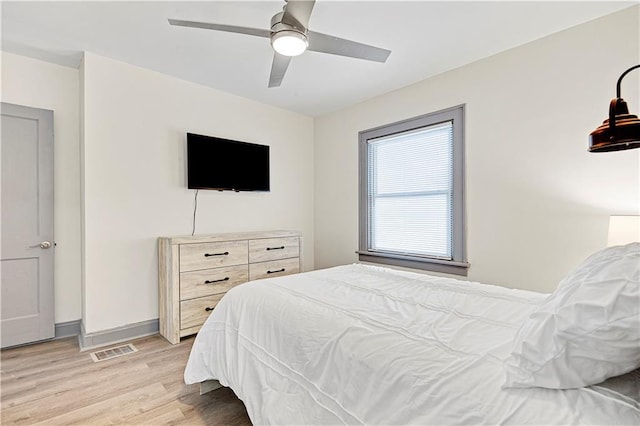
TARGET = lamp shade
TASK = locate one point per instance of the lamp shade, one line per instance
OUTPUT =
(623, 134)
(621, 130)
(623, 230)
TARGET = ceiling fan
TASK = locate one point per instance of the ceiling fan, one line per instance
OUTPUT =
(290, 37)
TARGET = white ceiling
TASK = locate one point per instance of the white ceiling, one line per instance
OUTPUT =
(425, 37)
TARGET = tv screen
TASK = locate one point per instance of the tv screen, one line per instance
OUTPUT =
(223, 164)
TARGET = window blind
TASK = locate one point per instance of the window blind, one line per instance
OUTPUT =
(410, 192)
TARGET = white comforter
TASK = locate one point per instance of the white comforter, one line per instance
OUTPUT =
(367, 345)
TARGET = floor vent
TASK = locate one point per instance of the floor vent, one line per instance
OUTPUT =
(113, 352)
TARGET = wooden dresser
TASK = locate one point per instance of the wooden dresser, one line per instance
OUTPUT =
(196, 271)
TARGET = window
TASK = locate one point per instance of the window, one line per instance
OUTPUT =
(412, 194)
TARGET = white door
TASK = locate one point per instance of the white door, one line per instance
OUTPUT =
(26, 252)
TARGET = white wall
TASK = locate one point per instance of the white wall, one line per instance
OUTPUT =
(135, 124)
(39, 84)
(537, 201)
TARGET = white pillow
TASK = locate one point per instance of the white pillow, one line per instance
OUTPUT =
(586, 331)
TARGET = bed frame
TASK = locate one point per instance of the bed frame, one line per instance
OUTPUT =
(208, 386)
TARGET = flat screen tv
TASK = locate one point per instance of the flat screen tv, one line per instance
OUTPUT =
(226, 165)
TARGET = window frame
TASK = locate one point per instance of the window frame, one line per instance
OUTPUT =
(458, 265)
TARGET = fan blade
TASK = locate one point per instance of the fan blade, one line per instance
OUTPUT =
(278, 69)
(297, 13)
(218, 27)
(338, 46)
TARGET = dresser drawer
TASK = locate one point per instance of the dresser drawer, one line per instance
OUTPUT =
(211, 255)
(273, 249)
(206, 282)
(274, 268)
(194, 312)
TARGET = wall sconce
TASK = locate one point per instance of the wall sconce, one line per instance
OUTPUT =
(621, 130)
(623, 230)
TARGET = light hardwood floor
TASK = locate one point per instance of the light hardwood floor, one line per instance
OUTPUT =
(53, 383)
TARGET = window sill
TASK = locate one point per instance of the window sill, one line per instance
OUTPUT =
(415, 262)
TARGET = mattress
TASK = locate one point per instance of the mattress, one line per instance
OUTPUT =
(359, 344)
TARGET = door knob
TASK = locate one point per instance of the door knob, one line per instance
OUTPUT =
(43, 245)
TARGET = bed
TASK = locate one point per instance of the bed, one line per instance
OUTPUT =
(360, 344)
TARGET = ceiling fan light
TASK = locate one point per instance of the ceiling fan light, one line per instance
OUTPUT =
(289, 43)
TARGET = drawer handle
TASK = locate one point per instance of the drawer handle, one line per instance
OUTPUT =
(275, 248)
(275, 272)
(226, 253)
(208, 308)
(216, 281)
